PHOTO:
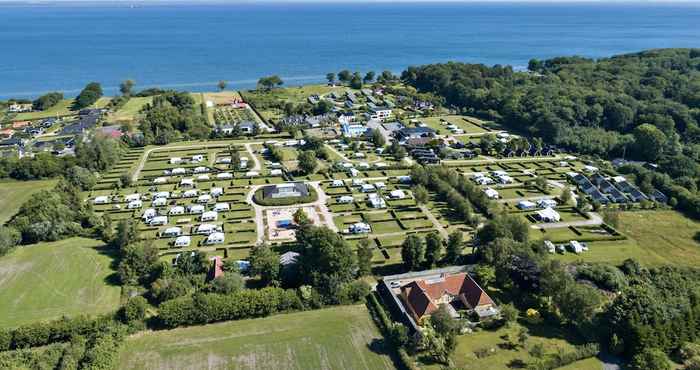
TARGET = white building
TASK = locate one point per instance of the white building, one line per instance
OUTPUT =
(172, 231)
(196, 208)
(132, 197)
(134, 204)
(345, 199)
(360, 228)
(182, 241)
(206, 229)
(367, 188)
(103, 199)
(159, 202)
(525, 205)
(148, 214)
(376, 201)
(221, 207)
(158, 221)
(190, 193)
(546, 203)
(209, 216)
(215, 238)
(491, 193)
(548, 215)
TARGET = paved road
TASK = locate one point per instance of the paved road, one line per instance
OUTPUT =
(594, 220)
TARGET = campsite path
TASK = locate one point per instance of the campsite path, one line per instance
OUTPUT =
(256, 161)
(594, 220)
(435, 221)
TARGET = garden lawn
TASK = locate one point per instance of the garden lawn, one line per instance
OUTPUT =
(131, 109)
(62, 108)
(551, 338)
(14, 193)
(49, 280)
(334, 338)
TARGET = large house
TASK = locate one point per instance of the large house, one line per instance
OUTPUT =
(458, 291)
(353, 129)
(288, 190)
(414, 133)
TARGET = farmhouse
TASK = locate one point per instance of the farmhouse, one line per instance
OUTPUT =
(288, 190)
(423, 297)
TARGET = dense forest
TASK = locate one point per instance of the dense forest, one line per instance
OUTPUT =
(643, 106)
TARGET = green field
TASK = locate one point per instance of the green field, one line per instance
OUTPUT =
(60, 109)
(14, 193)
(654, 238)
(335, 338)
(48, 280)
(131, 109)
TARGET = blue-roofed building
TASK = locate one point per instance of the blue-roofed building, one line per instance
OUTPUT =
(353, 129)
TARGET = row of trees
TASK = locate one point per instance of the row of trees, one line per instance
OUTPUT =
(88, 96)
(644, 105)
(356, 80)
(47, 101)
(173, 116)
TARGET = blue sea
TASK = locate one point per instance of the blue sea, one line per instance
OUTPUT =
(191, 47)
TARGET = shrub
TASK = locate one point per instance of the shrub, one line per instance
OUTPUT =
(604, 276)
(134, 310)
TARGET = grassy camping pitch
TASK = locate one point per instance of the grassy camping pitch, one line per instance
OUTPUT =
(335, 338)
(49, 280)
(14, 193)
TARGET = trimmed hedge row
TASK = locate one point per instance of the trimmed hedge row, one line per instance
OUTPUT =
(259, 199)
(207, 308)
(384, 323)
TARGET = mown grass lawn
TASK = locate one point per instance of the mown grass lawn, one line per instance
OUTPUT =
(14, 193)
(334, 338)
(501, 357)
(654, 238)
(131, 109)
(60, 109)
(48, 280)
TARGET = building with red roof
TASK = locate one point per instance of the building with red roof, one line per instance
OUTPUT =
(422, 297)
(217, 268)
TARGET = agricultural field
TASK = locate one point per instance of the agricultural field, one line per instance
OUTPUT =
(49, 280)
(14, 193)
(334, 338)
